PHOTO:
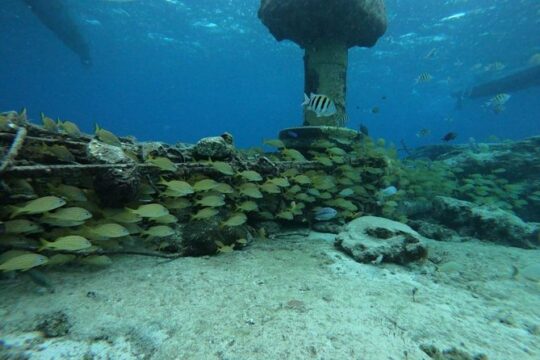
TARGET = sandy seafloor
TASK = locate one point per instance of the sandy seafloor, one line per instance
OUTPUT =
(291, 297)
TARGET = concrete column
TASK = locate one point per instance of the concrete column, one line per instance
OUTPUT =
(325, 66)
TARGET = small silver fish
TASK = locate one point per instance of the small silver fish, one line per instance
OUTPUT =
(292, 134)
(325, 214)
(320, 104)
(389, 191)
(423, 133)
(431, 54)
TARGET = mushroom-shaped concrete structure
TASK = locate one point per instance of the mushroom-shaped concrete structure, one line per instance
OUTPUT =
(326, 29)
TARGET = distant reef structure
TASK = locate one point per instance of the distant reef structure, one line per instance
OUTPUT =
(503, 173)
(489, 191)
(55, 15)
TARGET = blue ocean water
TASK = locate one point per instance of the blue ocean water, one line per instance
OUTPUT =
(172, 70)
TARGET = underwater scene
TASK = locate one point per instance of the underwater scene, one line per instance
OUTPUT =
(270, 179)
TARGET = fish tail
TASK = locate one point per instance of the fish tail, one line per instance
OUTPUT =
(306, 100)
(15, 213)
(44, 244)
(332, 109)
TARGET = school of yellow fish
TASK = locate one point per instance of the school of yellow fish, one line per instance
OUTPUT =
(65, 223)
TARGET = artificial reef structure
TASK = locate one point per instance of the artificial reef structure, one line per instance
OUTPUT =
(71, 197)
(325, 30)
(67, 197)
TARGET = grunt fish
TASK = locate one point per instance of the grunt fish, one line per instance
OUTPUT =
(107, 137)
(211, 201)
(205, 185)
(222, 167)
(38, 206)
(109, 230)
(250, 175)
(21, 226)
(150, 211)
(68, 243)
(236, 219)
(159, 231)
(69, 128)
(205, 213)
(23, 262)
(163, 163)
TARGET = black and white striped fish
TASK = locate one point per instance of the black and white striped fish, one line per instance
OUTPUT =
(320, 104)
(424, 78)
(499, 100)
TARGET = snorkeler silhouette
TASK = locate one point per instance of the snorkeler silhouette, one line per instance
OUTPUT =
(55, 15)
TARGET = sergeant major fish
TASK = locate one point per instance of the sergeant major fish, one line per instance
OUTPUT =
(499, 99)
(320, 104)
(424, 78)
(497, 102)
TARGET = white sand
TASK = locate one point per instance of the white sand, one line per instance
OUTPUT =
(293, 297)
